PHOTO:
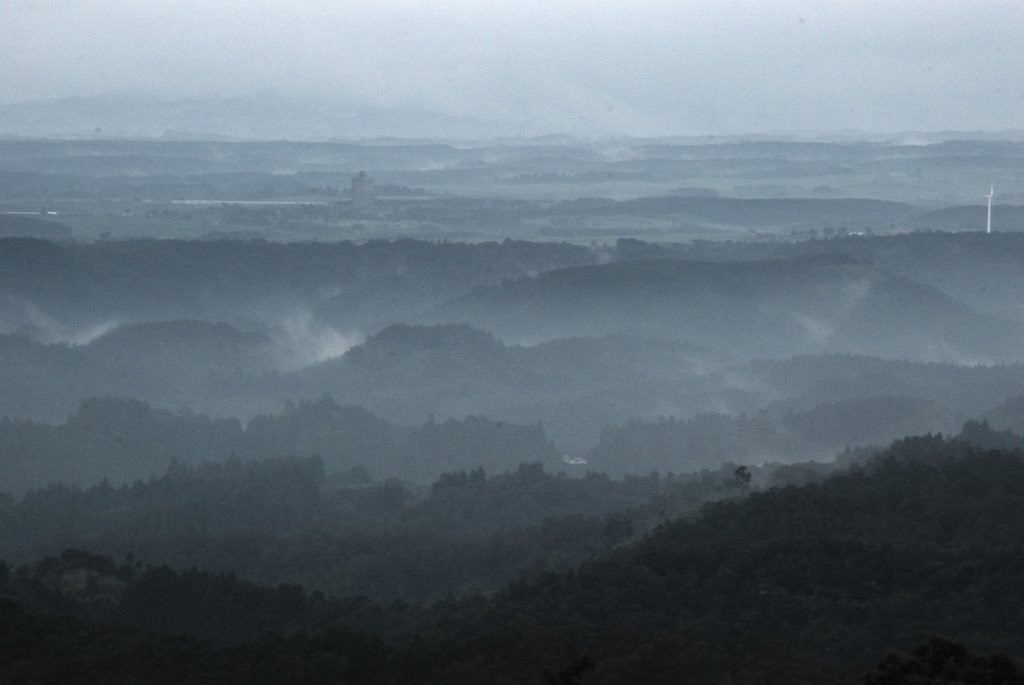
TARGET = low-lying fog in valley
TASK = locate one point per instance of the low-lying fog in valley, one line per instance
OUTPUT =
(565, 343)
(825, 324)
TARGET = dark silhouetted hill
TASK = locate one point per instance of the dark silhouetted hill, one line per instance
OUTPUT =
(770, 308)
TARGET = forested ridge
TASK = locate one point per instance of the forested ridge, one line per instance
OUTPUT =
(288, 520)
(152, 280)
(126, 440)
(795, 584)
(811, 303)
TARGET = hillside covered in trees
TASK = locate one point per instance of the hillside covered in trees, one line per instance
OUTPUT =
(127, 440)
(808, 583)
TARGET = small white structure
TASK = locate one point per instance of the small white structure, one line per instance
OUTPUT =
(988, 196)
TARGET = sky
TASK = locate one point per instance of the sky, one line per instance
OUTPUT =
(641, 67)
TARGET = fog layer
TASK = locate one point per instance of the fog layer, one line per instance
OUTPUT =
(647, 68)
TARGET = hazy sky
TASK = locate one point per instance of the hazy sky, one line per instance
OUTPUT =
(643, 67)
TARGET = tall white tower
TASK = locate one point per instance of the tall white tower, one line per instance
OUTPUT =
(988, 196)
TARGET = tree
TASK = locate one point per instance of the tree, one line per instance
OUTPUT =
(941, 661)
(742, 478)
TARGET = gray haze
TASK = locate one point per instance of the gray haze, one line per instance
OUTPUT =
(649, 68)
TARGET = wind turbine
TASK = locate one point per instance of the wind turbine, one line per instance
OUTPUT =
(988, 197)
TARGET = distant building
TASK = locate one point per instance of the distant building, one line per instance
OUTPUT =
(362, 192)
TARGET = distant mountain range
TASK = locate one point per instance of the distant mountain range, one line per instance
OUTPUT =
(272, 117)
(263, 117)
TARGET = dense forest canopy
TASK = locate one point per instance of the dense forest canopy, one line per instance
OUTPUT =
(913, 541)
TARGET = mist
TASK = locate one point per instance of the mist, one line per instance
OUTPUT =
(306, 341)
(653, 68)
(518, 342)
